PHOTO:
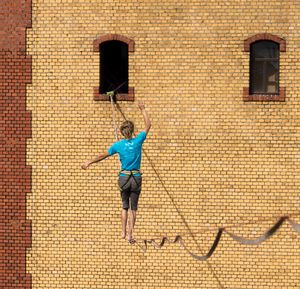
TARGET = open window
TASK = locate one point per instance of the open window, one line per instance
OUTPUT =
(264, 68)
(114, 67)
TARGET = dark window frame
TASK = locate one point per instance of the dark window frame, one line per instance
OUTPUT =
(265, 61)
(248, 95)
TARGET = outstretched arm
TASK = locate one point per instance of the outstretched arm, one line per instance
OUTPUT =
(95, 160)
(145, 116)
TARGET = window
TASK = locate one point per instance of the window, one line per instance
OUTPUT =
(114, 52)
(264, 68)
(113, 66)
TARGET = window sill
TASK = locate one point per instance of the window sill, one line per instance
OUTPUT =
(119, 97)
(264, 97)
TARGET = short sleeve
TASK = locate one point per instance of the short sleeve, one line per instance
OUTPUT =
(112, 150)
(141, 136)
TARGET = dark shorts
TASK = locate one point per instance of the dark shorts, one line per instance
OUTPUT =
(130, 188)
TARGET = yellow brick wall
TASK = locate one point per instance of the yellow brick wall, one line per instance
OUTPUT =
(224, 162)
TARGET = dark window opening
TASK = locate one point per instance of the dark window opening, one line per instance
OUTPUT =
(264, 67)
(113, 66)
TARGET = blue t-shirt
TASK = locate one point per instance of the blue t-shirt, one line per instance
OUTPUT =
(130, 152)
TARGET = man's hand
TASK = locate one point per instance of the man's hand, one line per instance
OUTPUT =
(99, 158)
(141, 105)
(85, 165)
(145, 116)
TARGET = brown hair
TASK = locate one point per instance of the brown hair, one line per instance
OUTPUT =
(127, 128)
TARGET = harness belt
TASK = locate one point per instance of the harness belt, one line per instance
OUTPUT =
(129, 173)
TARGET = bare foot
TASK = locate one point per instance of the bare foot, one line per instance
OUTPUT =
(123, 235)
(131, 240)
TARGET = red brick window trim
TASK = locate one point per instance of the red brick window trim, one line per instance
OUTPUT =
(96, 48)
(247, 96)
(264, 97)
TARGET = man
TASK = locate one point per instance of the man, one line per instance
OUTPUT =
(129, 150)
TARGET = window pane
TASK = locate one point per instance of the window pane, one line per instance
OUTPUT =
(272, 70)
(272, 76)
(264, 49)
(257, 77)
(272, 88)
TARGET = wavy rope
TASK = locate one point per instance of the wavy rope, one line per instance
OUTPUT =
(260, 239)
(178, 239)
(241, 240)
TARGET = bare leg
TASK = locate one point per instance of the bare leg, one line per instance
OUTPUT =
(124, 215)
(131, 223)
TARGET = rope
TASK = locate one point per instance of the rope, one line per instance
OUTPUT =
(260, 239)
(241, 240)
(178, 239)
(111, 95)
(182, 218)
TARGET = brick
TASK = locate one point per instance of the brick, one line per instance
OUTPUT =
(226, 162)
(15, 181)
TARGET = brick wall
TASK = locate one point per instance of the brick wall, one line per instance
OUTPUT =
(225, 162)
(15, 128)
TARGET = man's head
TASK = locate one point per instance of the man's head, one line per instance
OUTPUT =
(127, 128)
